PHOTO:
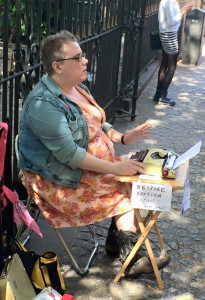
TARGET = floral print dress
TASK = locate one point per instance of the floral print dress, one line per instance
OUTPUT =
(98, 197)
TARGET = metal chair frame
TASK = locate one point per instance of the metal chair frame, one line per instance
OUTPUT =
(30, 203)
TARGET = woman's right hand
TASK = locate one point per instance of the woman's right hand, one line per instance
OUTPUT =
(186, 9)
(128, 167)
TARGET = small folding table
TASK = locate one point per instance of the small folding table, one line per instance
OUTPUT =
(177, 184)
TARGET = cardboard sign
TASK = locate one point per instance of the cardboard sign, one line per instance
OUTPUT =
(151, 196)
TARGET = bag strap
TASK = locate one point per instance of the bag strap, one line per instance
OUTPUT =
(28, 259)
(3, 139)
(4, 191)
(12, 196)
(54, 276)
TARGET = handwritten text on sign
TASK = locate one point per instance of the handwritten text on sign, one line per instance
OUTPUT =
(151, 196)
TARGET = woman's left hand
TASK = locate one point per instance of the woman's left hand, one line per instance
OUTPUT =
(140, 132)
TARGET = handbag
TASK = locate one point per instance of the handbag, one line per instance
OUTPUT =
(155, 41)
(14, 281)
(43, 270)
(46, 272)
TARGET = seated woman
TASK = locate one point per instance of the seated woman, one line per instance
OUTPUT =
(66, 151)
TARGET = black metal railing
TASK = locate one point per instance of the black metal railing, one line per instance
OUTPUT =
(139, 18)
(113, 33)
(26, 23)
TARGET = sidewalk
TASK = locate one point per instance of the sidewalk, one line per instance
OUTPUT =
(177, 128)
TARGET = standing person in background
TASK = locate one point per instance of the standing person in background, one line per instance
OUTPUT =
(169, 17)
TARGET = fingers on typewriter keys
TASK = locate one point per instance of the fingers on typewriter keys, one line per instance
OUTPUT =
(138, 167)
(142, 169)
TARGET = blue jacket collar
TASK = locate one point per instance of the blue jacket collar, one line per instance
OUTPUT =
(52, 86)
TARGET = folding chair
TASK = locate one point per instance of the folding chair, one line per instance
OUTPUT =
(31, 205)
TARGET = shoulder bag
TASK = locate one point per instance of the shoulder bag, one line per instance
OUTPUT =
(155, 42)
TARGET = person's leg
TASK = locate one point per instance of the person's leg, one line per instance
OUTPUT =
(162, 70)
(111, 243)
(127, 221)
(171, 68)
(122, 235)
(172, 64)
(161, 75)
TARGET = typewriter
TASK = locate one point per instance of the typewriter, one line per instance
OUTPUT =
(157, 161)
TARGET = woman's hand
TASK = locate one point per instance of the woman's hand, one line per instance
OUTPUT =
(140, 132)
(128, 167)
(186, 9)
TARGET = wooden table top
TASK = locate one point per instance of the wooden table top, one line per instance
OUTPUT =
(176, 183)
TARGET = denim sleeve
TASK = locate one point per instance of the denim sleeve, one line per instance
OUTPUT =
(51, 126)
(106, 127)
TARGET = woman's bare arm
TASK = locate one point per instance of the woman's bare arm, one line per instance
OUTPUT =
(125, 167)
(132, 136)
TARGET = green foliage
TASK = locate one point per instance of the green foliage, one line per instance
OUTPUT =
(12, 16)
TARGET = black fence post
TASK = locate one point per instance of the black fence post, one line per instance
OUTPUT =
(139, 51)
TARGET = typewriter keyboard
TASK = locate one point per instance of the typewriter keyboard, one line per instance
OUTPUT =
(140, 155)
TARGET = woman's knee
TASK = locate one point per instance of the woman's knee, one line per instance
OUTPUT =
(126, 221)
(171, 70)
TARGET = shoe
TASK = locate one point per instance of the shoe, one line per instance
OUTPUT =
(157, 95)
(144, 266)
(166, 101)
(140, 264)
(163, 260)
(111, 243)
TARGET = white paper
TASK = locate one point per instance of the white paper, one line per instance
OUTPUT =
(187, 155)
(151, 196)
(186, 197)
(48, 293)
(150, 177)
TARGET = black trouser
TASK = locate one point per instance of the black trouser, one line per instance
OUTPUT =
(166, 72)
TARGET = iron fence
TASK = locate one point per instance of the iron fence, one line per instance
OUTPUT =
(26, 23)
(113, 33)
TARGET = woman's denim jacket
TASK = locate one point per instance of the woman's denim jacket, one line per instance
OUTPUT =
(53, 135)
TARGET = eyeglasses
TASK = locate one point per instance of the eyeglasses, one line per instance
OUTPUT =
(77, 58)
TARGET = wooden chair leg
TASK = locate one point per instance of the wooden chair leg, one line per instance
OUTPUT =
(159, 237)
(141, 239)
(149, 248)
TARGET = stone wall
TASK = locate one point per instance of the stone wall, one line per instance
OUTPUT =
(197, 3)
